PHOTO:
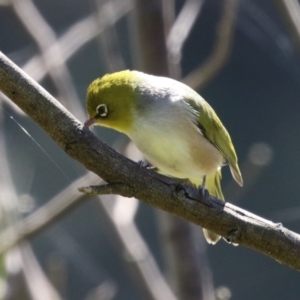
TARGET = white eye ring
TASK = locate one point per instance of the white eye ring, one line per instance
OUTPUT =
(101, 110)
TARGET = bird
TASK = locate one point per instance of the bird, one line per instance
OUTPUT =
(175, 129)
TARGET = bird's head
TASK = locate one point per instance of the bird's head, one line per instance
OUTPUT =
(111, 101)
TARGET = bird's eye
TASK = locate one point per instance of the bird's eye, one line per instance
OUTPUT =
(101, 110)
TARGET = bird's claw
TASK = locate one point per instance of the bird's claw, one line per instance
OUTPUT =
(203, 192)
(145, 164)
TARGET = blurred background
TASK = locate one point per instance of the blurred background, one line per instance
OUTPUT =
(243, 56)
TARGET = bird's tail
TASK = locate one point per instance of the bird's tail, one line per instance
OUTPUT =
(213, 184)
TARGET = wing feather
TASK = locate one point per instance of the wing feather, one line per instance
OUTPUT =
(213, 129)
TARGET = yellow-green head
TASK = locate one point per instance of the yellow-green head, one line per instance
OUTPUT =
(111, 100)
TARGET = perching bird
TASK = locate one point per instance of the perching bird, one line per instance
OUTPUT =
(177, 131)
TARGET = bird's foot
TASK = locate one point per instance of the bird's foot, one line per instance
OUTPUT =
(203, 192)
(146, 164)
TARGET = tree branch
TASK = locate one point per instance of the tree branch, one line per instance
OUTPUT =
(46, 215)
(235, 224)
(221, 49)
(290, 12)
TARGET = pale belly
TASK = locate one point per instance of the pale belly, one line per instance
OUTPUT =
(178, 153)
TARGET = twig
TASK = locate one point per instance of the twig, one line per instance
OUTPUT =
(109, 39)
(224, 36)
(53, 60)
(109, 189)
(182, 28)
(229, 221)
(78, 35)
(290, 11)
(37, 283)
(140, 259)
(44, 216)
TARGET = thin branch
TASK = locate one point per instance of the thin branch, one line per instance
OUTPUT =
(235, 224)
(169, 15)
(37, 282)
(221, 51)
(109, 39)
(147, 273)
(79, 34)
(290, 11)
(52, 60)
(182, 28)
(45, 216)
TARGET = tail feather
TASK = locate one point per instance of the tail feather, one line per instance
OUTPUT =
(236, 174)
(213, 184)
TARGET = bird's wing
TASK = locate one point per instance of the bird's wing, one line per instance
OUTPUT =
(213, 129)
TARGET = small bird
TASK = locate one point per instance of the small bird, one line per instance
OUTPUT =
(177, 131)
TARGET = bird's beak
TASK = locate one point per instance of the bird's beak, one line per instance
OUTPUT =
(90, 122)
